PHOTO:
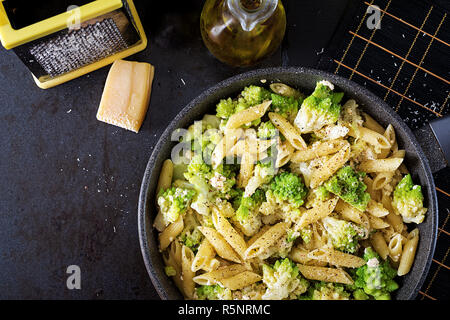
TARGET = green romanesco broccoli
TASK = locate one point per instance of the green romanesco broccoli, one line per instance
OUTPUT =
(285, 106)
(254, 95)
(375, 278)
(266, 130)
(248, 205)
(408, 200)
(250, 96)
(321, 108)
(262, 174)
(173, 202)
(289, 187)
(191, 238)
(170, 271)
(348, 185)
(213, 292)
(283, 280)
(326, 291)
(198, 173)
(344, 235)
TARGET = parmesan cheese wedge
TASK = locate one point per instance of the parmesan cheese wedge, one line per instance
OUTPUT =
(126, 94)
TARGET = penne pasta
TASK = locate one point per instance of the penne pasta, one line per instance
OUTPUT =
(240, 280)
(284, 90)
(216, 276)
(187, 256)
(204, 259)
(224, 145)
(371, 137)
(328, 168)
(170, 233)
(336, 258)
(380, 165)
(266, 240)
(376, 209)
(221, 246)
(325, 274)
(395, 247)
(372, 124)
(284, 153)
(247, 116)
(408, 253)
(318, 150)
(321, 210)
(379, 244)
(288, 130)
(348, 212)
(234, 239)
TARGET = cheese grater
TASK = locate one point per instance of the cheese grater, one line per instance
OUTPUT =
(59, 40)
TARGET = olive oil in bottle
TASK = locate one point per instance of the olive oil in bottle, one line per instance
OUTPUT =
(242, 32)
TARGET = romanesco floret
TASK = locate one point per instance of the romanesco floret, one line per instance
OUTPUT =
(267, 130)
(248, 205)
(326, 291)
(319, 109)
(191, 238)
(288, 186)
(285, 106)
(170, 271)
(173, 202)
(408, 200)
(198, 173)
(214, 292)
(306, 233)
(375, 277)
(223, 178)
(254, 95)
(225, 108)
(344, 235)
(348, 185)
(282, 279)
(262, 174)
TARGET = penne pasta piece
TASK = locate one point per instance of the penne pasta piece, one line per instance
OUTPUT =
(246, 116)
(266, 240)
(348, 212)
(187, 256)
(216, 276)
(380, 165)
(284, 90)
(172, 258)
(234, 239)
(318, 150)
(165, 176)
(329, 167)
(245, 174)
(395, 221)
(299, 255)
(395, 247)
(371, 137)
(321, 210)
(325, 274)
(240, 280)
(372, 124)
(170, 233)
(204, 259)
(252, 146)
(288, 130)
(382, 179)
(284, 154)
(408, 253)
(159, 223)
(224, 145)
(258, 234)
(336, 258)
(379, 244)
(376, 222)
(221, 246)
(376, 209)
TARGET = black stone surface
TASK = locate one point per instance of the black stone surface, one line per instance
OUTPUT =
(69, 184)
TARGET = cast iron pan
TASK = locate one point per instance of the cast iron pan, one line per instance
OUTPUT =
(305, 80)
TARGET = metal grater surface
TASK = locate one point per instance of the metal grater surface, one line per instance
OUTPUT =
(78, 48)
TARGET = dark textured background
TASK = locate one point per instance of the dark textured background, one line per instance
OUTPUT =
(69, 184)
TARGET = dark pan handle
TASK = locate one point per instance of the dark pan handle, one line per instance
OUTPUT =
(434, 139)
